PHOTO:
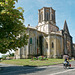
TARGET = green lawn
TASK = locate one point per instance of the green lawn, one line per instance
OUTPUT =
(29, 62)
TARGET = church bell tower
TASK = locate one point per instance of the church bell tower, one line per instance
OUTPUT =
(46, 20)
(46, 14)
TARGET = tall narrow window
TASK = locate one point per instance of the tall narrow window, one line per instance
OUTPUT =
(52, 17)
(30, 40)
(47, 16)
(52, 45)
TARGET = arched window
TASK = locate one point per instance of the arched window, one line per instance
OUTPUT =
(52, 17)
(52, 45)
(30, 40)
(47, 16)
(40, 17)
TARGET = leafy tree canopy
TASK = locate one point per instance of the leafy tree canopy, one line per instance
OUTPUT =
(12, 30)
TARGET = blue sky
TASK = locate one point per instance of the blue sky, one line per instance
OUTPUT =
(65, 10)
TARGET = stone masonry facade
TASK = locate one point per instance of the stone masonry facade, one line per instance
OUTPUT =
(46, 39)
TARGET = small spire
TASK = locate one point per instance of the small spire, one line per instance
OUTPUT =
(65, 20)
(65, 27)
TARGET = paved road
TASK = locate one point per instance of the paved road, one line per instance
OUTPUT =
(45, 70)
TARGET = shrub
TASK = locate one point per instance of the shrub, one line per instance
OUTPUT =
(39, 58)
(42, 58)
(34, 58)
(11, 55)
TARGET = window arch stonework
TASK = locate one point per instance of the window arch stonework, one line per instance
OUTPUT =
(52, 45)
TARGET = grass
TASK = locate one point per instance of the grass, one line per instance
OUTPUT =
(29, 62)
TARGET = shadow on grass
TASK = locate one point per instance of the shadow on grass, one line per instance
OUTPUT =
(18, 70)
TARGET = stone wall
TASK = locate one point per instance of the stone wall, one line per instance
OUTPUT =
(57, 49)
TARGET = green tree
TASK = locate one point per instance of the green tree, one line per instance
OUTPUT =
(12, 30)
(11, 55)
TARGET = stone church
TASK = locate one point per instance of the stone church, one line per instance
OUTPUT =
(46, 39)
